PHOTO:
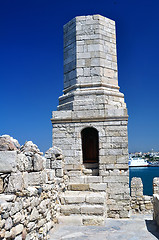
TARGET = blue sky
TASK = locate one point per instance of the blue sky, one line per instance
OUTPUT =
(31, 65)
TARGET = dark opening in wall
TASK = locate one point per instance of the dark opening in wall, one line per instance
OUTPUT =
(90, 149)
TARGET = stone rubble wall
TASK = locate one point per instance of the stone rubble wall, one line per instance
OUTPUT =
(140, 203)
(30, 185)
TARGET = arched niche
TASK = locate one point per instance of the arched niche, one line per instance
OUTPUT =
(90, 149)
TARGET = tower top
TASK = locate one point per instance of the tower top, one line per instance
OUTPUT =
(90, 52)
(90, 70)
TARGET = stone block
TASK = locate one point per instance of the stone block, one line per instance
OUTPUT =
(15, 182)
(59, 172)
(38, 162)
(92, 210)
(8, 223)
(16, 230)
(70, 209)
(93, 199)
(74, 199)
(98, 186)
(35, 178)
(93, 221)
(51, 174)
(94, 179)
(56, 164)
(78, 179)
(8, 161)
(79, 187)
(117, 179)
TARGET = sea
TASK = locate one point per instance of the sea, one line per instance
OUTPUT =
(146, 174)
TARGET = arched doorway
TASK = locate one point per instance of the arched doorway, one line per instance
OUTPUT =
(90, 149)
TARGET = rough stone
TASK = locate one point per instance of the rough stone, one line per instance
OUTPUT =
(8, 161)
(8, 143)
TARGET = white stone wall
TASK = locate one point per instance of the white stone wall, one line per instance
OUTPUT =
(90, 51)
(113, 159)
(29, 192)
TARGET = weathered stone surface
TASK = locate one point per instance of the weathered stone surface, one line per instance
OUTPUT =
(79, 187)
(22, 162)
(17, 230)
(34, 214)
(8, 143)
(53, 152)
(35, 178)
(93, 221)
(8, 161)
(8, 223)
(15, 182)
(29, 149)
(92, 210)
(38, 162)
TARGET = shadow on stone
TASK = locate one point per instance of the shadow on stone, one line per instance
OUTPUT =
(152, 228)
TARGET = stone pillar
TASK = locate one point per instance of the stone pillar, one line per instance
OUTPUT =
(156, 185)
(92, 99)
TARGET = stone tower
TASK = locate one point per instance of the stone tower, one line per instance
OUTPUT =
(90, 125)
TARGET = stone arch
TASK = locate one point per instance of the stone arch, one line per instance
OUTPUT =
(90, 149)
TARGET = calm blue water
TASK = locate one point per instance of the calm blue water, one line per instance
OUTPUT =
(146, 174)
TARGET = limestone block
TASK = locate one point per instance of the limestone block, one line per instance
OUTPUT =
(79, 187)
(17, 230)
(25, 179)
(74, 199)
(74, 173)
(38, 162)
(93, 221)
(93, 199)
(56, 164)
(70, 209)
(22, 162)
(15, 182)
(92, 210)
(94, 179)
(98, 187)
(118, 179)
(8, 161)
(35, 178)
(8, 223)
(77, 179)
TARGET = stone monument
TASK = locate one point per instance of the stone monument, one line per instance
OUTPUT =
(90, 124)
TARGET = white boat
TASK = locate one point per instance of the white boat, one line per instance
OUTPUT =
(137, 162)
